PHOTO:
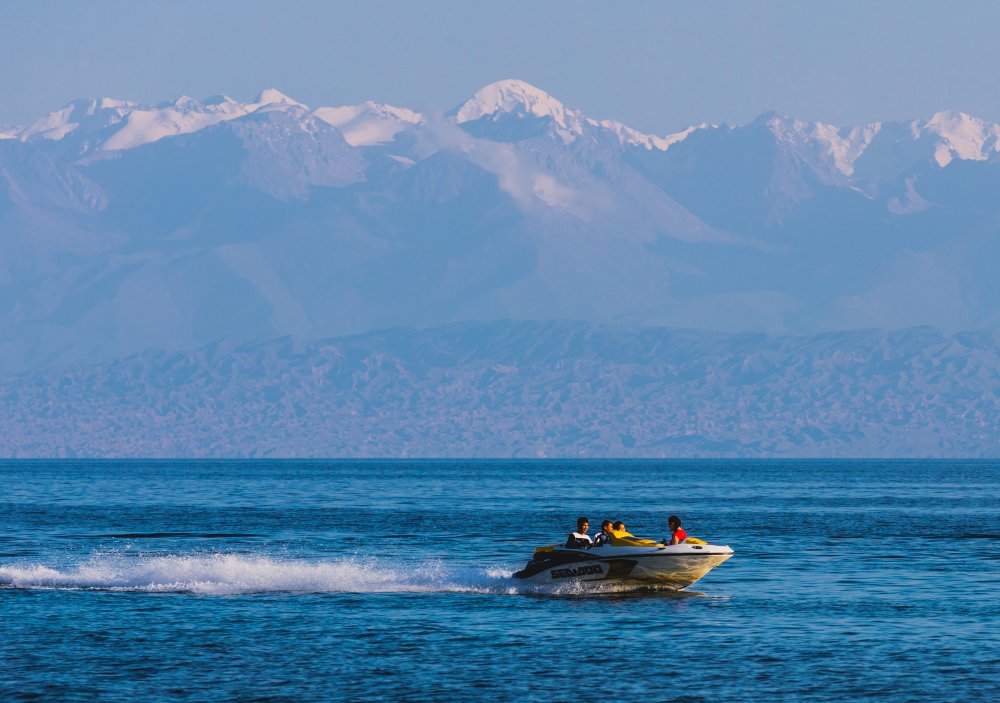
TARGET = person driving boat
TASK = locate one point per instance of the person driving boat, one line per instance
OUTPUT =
(580, 539)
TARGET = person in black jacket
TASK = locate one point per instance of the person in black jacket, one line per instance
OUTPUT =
(580, 539)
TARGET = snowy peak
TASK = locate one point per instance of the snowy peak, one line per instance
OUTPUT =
(514, 110)
(511, 97)
(632, 137)
(521, 99)
(842, 147)
(959, 136)
(105, 124)
(370, 123)
(113, 125)
(145, 125)
(95, 113)
(881, 150)
(272, 96)
(826, 147)
(943, 138)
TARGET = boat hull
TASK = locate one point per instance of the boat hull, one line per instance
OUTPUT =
(669, 568)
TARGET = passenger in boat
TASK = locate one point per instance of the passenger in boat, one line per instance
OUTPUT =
(677, 533)
(618, 530)
(580, 539)
(605, 536)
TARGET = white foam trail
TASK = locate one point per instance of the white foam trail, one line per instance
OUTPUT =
(229, 574)
(235, 574)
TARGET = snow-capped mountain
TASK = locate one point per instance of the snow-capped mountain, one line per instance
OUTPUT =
(110, 125)
(106, 124)
(126, 226)
(508, 100)
(370, 123)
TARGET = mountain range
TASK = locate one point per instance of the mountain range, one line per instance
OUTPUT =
(126, 227)
(509, 278)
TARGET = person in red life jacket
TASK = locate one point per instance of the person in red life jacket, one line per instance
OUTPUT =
(677, 533)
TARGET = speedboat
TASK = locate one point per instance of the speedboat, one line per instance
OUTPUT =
(636, 563)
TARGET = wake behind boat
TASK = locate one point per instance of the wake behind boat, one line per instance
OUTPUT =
(629, 562)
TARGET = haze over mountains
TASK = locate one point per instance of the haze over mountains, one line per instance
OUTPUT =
(127, 227)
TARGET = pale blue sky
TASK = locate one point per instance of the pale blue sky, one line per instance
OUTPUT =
(658, 66)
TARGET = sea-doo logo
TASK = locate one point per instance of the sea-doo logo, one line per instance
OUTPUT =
(581, 571)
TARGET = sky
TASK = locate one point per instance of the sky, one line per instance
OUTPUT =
(656, 66)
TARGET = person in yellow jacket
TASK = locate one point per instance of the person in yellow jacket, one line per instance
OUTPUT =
(618, 530)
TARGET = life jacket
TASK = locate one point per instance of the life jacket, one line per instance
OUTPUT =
(577, 540)
(621, 538)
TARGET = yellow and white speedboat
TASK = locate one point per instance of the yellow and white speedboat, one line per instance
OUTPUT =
(625, 561)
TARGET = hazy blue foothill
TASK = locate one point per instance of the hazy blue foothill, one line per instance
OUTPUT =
(131, 235)
(525, 389)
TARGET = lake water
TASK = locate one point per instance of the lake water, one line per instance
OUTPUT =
(365, 580)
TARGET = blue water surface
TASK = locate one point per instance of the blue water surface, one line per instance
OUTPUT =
(390, 580)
